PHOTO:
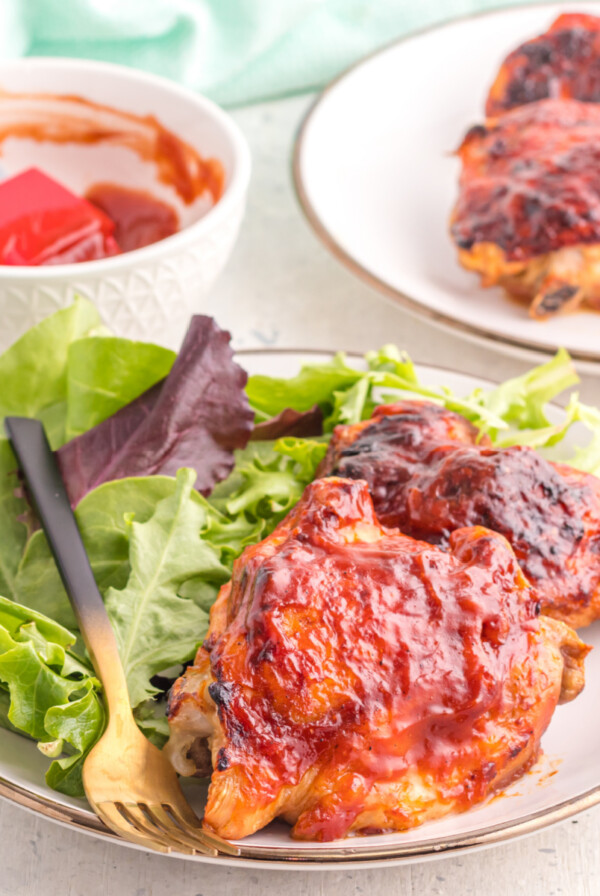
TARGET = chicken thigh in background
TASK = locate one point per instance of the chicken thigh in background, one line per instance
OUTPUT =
(528, 213)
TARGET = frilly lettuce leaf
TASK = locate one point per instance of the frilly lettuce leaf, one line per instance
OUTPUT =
(586, 457)
(47, 693)
(78, 723)
(521, 402)
(267, 481)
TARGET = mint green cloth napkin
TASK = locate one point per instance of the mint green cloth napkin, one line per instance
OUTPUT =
(236, 51)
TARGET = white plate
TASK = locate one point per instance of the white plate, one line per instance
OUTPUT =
(377, 179)
(566, 779)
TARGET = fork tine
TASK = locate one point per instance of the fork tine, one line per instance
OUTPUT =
(141, 820)
(164, 820)
(186, 817)
(114, 820)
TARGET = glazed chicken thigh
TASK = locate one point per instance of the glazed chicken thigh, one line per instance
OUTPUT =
(355, 680)
(528, 213)
(428, 475)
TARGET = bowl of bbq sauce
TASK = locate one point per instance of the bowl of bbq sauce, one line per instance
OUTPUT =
(114, 185)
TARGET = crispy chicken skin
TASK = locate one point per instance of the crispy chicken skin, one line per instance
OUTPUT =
(563, 63)
(428, 476)
(355, 680)
(528, 213)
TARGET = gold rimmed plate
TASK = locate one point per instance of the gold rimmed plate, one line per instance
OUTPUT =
(376, 175)
(565, 780)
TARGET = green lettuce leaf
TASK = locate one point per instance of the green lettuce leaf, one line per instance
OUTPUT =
(151, 718)
(315, 384)
(71, 374)
(79, 724)
(521, 402)
(587, 456)
(4, 710)
(155, 627)
(33, 371)
(48, 694)
(267, 481)
(305, 454)
(61, 372)
(103, 519)
(13, 530)
(106, 374)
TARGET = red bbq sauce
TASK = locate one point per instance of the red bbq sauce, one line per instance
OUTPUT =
(139, 218)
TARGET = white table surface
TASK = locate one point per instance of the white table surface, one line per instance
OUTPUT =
(282, 288)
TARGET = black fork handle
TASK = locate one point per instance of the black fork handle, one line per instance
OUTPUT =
(46, 487)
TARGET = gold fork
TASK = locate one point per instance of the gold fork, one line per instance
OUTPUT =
(129, 783)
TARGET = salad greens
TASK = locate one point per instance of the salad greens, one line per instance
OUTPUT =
(168, 490)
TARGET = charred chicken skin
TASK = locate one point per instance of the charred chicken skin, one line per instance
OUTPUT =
(355, 680)
(429, 476)
(528, 213)
(563, 63)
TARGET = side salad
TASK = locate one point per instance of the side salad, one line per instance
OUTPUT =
(174, 463)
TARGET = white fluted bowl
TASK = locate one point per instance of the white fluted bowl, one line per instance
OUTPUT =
(149, 293)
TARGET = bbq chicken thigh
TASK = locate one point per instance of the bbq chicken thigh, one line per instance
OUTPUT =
(528, 213)
(563, 63)
(355, 680)
(429, 476)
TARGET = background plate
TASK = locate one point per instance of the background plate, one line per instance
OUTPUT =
(375, 174)
(566, 779)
